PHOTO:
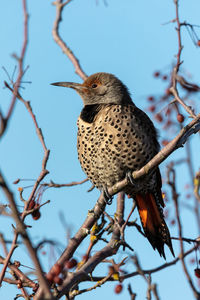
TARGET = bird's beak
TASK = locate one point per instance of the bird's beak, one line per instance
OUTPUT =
(72, 85)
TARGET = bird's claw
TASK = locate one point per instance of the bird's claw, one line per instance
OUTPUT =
(130, 178)
(107, 197)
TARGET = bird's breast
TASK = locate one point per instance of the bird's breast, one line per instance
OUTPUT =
(119, 139)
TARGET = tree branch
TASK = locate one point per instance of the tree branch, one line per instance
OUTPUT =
(4, 121)
(55, 32)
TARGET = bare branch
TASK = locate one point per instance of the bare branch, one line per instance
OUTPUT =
(22, 231)
(172, 183)
(133, 295)
(58, 185)
(44, 172)
(55, 32)
(5, 120)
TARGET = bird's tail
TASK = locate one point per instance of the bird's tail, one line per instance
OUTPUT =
(155, 228)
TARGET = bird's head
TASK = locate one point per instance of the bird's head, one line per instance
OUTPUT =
(100, 88)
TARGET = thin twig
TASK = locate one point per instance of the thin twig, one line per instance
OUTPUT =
(58, 185)
(161, 267)
(98, 284)
(172, 182)
(19, 273)
(133, 295)
(55, 32)
(22, 231)
(43, 172)
(21, 71)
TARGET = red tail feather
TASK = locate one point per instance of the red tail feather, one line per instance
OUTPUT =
(153, 222)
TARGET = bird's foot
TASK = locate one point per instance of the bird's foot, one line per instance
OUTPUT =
(107, 197)
(130, 178)
(136, 184)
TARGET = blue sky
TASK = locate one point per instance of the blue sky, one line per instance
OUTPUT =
(126, 38)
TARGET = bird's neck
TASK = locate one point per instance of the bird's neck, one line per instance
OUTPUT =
(89, 112)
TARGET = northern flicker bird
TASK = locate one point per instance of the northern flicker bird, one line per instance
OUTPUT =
(114, 138)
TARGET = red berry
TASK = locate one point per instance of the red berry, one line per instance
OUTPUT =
(36, 214)
(50, 277)
(156, 74)
(56, 269)
(197, 272)
(71, 263)
(151, 98)
(164, 77)
(152, 108)
(159, 118)
(118, 288)
(198, 43)
(58, 280)
(180, 118)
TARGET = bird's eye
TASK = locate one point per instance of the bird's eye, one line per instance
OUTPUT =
(94, 85)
